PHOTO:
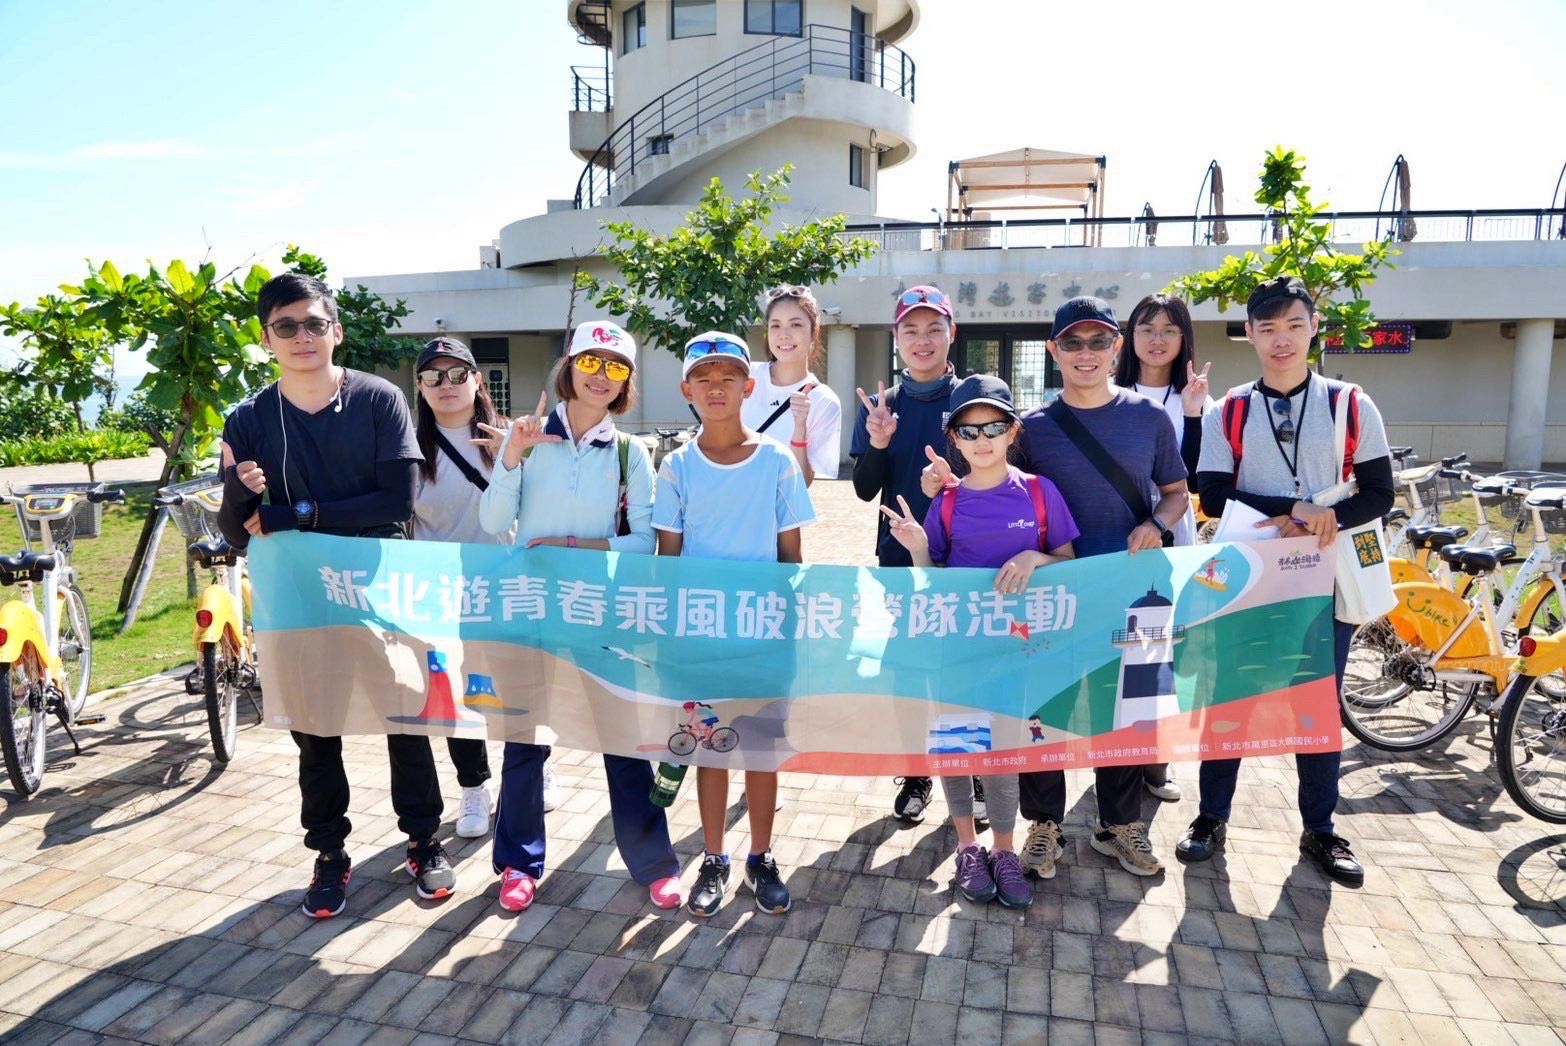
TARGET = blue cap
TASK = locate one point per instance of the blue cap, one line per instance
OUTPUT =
(713, 345)
(1086, 309)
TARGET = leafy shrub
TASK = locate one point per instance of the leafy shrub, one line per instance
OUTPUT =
(26, 414)
(80, 447)
(136, 415)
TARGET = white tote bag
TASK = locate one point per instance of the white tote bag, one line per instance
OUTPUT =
(1364, 590)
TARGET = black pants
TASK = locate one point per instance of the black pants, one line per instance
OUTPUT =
(471, 759)
(1119, 790)
(323, 789)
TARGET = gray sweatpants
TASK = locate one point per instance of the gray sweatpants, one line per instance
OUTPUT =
(1000, 799)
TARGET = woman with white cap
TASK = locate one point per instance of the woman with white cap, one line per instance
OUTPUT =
(559, 480)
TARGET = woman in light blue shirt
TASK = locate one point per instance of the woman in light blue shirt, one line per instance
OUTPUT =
(557, 478)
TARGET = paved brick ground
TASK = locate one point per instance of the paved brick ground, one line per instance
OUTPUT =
(147, 896)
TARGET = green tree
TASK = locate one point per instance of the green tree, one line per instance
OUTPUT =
(367, 319)
(711, 272)
(1302, 247)
(68, 355)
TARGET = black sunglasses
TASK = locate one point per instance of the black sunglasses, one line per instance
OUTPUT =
(992, 429)
(1285, 429)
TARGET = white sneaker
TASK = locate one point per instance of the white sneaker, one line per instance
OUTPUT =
(551, 788)
(473, 814)
(1169, 791)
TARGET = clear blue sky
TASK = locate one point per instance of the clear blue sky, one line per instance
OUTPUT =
(397, 136)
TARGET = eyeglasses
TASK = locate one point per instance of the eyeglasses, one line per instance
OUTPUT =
(288, 328)
(795, 291)
(923, 297)
(1285, 427)
(1157, 333)
(717, 347)
(430, 379)
(614, 370)
(1102, 343)
(992, 429)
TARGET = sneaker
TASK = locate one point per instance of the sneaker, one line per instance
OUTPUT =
(981, 813)
(912, 798)
(1333, 856)
(328, 892)
(473, 814)
(667, 893)
(1041, 850)
(551, 788)
(431, 870)
(1203, 839)
(712, 882)
(516, 890)
(973, 880)
(1127, 843)
(1012, 888)
(761, 875)
(1169, 791)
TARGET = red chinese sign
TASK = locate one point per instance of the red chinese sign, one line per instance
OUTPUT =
(1384, 338)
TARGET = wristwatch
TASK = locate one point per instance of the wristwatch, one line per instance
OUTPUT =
(304, 514)
(1165, 535)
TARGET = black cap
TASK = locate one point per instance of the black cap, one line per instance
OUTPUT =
(1278, 288)
(444, 346)
(1082, 310)
(979, 388)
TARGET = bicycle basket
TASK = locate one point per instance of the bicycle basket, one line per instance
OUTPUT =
(1554, 521)
(196, 516)
(85, 521)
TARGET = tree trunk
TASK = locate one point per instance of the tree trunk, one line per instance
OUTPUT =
(144, 575)
(151, 526)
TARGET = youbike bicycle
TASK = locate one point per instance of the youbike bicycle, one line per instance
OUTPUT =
(45, 630)
(1414, 674)
(225, 650)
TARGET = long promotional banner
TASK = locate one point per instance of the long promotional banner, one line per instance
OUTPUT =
(1211, 651)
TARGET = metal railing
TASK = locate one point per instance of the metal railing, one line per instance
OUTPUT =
(1349, 228)
(592, 89)
(743, 81)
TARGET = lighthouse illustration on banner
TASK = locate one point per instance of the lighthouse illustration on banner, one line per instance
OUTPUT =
(1146, 689)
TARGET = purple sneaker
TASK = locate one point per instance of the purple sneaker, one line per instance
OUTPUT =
(1012, 888)
(973, 874)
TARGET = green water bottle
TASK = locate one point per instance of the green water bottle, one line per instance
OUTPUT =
(666, 783)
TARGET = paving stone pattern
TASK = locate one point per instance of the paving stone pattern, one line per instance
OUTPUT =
(148, 896)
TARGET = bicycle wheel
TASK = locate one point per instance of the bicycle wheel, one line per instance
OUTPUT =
(22, 724)
(682, 742)
(217, 677)
(1531, 749)
(75, 651)
(1387, 699)
(724, 739)
(1547, 619)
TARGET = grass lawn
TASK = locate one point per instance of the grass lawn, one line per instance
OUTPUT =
(161, 636)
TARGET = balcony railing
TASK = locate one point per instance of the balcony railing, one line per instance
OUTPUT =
(592, 89)
(1349, 228)
(743, 81)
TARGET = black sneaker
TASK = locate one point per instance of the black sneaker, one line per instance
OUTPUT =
(1202, 839)
(431, 870)
(912, 798)
(328, 892)
(764, 881)
(981, 812)
(712, 882)
(1333, 856)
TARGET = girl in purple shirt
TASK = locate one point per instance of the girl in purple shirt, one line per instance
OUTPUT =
(988, 519)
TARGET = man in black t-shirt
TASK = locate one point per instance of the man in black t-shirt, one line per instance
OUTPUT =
(329, 449)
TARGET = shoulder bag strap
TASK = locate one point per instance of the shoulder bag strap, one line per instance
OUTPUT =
(1099, 458)
(463, 464)
(622, 514)
(1040, 513)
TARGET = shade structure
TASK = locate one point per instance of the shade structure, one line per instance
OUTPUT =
(1043, 181)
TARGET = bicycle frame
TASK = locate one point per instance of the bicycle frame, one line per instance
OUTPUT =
(220, 606)
(1437, 619)
(27, 629)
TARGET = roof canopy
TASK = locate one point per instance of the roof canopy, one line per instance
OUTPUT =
(1026, 179)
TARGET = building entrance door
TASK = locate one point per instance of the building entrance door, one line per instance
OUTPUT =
(1017, 355)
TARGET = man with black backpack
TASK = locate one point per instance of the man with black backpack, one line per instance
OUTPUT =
(1272, 445)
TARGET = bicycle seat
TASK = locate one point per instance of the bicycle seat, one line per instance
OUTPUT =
(29, 566)
(212, 552)
(1401, 452)
(1436, 537)
(1493, 485)
(1397, 515)
(1471, 560)
(1547, 497)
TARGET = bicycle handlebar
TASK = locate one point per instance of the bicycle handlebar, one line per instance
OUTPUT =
(115, 496)
(168, 500)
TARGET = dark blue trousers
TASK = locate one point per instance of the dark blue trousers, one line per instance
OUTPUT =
(1318, 771)
(641, 831)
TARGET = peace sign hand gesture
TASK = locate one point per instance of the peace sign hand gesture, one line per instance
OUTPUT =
(1194, 395)
(880, 422)
(494, 436)
(527, 432)
(909, 532)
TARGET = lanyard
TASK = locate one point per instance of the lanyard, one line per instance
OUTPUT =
(1167, 390)
(1293, 466)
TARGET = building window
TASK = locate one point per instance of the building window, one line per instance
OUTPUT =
(658, 144)
(856, 167)
(693, 18)
(778, 17)
(633, 26)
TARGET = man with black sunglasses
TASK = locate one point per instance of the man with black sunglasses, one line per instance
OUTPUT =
(329, 449)
(1271, 446)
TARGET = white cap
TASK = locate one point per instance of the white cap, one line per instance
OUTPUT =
(603, 336)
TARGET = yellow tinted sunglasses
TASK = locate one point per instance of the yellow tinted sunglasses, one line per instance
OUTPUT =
(614, 370)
